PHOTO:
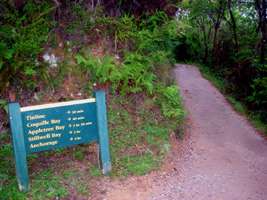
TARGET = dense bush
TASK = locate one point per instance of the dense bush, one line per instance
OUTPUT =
(137, 8)
(131, 76)
(170, 102)
(150, 45)
(143, 44)
(23, 33)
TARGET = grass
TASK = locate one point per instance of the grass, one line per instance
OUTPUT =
(139, 136)
(218, 82)
(95, 171)
(77, 180)
(47, 185)
(139, 165)
(44, 185)
(238, 106)
(78, 155)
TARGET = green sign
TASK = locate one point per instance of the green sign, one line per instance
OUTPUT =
(58, 125)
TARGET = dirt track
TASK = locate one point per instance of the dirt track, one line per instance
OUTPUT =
(224, 158)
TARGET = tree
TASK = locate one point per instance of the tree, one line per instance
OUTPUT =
(233, 23)
(261, 7)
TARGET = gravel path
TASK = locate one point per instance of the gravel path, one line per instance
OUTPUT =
(224, 158)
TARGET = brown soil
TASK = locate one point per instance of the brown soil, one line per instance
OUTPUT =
(222, 156)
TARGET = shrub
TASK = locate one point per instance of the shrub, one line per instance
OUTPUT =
(131, 76)
(163, 38)
(137, 75)
(23, 35)
(102, 70)
(126, 29)
(79, 19)
(259, 97)
(170, 102)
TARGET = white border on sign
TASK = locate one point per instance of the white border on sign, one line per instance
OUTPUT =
(54, 105)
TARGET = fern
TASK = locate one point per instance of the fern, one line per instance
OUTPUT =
(132, 76)
(170, 102)
(102, 70)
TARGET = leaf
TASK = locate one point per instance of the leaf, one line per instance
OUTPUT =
(1, 64)
(80, 59)
(9, 53)
(3, 105)
(30, 71)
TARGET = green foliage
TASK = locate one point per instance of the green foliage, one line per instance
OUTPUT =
(136, 74)
(225, 36)
(153, 41)
(259, 97)
(152, 22)
(80, 19)
(156, 132)
(256, 117)
(125, 28)
(3, 105)
(102, 70)
(139, 139)
(8, 182)
(215, 78)
(139, 132)
(7, 173)
(237, 105)
(139, 165)
(77, 180)
(22, 36)
(68, 173)
(95, 171)
(11, 191)
(46, 185)
(138, 8)
(170, 102)
(163, 38)
(78, 154)
(132, 76)
(160, 58)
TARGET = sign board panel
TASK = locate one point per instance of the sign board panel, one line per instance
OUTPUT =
(58, 125)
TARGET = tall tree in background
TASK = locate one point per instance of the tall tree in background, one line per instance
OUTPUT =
(200, 16)
(233, 23)
(218, 16)
(261, 8)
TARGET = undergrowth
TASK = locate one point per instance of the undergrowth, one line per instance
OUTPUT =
(139, 133)
(240, 107)
(22, 36)
(144, 106)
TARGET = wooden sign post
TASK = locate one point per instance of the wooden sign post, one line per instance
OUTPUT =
(58, 125)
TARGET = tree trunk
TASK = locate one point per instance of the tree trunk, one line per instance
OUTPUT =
(19, 4)
(261, 8)
(263, 32)
(205, 40)
(217, 23)
(233, 24)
